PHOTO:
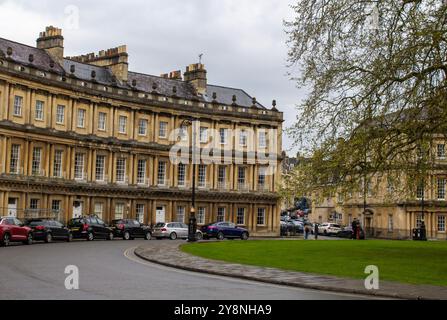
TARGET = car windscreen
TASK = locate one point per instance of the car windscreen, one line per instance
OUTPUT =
(74, 222)
(37, 223)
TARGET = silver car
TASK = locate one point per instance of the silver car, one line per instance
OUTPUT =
(173, 231)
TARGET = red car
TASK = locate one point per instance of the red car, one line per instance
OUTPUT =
(13, 230)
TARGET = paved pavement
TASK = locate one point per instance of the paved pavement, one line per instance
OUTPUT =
(170, 255)
(110, 270)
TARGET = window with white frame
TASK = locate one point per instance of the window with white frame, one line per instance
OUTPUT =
(441, 223)
(243, 138)
(141, 171)
(100, 167)
(81, 118)
(121, 170)
(139, 212)
(222, 175)
(98, 210)
(122, 124)
(181, 174)
(34, 204)
(57, 163)
(18, 103)
(441, 189)
(60, 114)
(142, 127)
(441, 151)
(38, 112)
(102, 121)
(79, 166)
(119, 210)
(420, 190)
(220, 214)
(56, 206)
(180, 214)
(241, 175)
(37, 159)
(261, 217)
(201, 215)
(163, 129)
(161, 176)
(223, 135)
(390, 223)
(15, 159)
(240, 218)
(262, 139)
(202, 176)
(418, 220)
(203, 134)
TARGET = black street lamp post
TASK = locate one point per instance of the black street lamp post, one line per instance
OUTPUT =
(192, 226)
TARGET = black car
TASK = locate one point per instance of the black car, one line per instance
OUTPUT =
(129, 229)
(49, 230)
(90, 228)
(348, 234)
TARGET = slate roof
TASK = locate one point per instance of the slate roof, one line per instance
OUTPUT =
(42, 61)
(21, 52)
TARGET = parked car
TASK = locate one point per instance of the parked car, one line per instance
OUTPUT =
(222, 230)
(13, 230)
(173, 231)
(90, 228)
(47, 230)
(329, 229)
(347, 233)
(289, 227)
(129, 229)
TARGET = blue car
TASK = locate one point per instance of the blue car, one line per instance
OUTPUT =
(222, 230)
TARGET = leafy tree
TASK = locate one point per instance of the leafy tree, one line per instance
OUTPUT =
(376, 74)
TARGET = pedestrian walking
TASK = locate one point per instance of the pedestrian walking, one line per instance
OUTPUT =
(316, 231)
(306, 231)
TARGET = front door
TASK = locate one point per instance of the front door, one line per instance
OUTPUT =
(77, 209)
(12, 207)
(160, 214)
(368, 226)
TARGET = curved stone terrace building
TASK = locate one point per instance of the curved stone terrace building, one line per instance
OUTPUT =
(84, 135)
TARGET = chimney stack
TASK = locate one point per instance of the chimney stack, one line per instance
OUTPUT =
(196, 75)
(174, 75)
(116, 59)
(52, 41)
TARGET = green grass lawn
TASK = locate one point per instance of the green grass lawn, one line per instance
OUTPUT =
(402, 261)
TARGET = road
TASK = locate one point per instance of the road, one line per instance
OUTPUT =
(109, 270)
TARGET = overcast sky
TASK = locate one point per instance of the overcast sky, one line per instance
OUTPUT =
(243, 41)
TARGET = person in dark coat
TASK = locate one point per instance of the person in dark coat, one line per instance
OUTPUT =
(354, 226)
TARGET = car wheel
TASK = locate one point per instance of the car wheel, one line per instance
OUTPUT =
(70, 237)
(6, 240)
(126, 235)
(244, 236)
(148, 236)
(325, 232)
(199, 236)
(48, 238)
(110, 236)
(173, 236)
(90, 236)
(220, 236)
(29, 239)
